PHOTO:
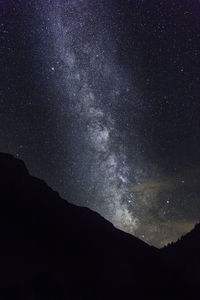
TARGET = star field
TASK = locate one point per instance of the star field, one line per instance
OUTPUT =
(101, 100)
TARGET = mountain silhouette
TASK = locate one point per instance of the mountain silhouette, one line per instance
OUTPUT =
(51, 249)
(183, 257)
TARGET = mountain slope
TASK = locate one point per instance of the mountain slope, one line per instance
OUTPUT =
(51, 249)
(183, 257)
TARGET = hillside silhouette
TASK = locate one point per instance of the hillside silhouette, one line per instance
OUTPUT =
(183, 257)
(51, 249)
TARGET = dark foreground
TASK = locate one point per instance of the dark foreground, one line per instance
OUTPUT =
(50, 249)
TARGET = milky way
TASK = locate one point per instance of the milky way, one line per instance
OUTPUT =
(94, 85)
(100, 99)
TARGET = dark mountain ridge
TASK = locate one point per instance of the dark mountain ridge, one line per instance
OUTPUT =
(51, 249)
(183, 257)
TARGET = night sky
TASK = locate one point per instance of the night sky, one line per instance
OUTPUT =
(100, 98)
